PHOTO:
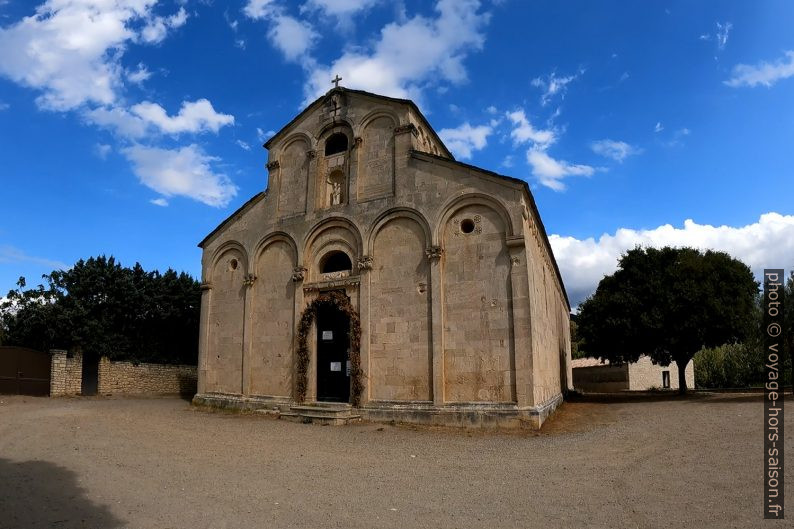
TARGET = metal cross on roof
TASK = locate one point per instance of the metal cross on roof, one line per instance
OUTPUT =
(336, 80)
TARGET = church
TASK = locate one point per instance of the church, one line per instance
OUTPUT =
(377, 277)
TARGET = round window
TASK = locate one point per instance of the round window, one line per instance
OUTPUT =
(467, 225)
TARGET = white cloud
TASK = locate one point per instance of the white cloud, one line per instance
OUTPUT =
(678, 137)
(465, 139)
(70, 50)
(138, 75)
(142, 118)
(553, 85)
(196, 116)
(293, 37)
(4, 106)
(338, 8)
(186, 171)
(157, 27)
(258, 9)
(118, 120)
(11, 254)
(722, 34)
(263, 136)
(102, 150)
(763, 244)
(163, 203)
(764, 73)
(409, 54)
(617, 150)
(243, 145)
(658, 127)
(523, 131)
(551, 172)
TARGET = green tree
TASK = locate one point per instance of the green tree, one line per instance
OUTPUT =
(576, 339)
(102, 308)
(669, 303)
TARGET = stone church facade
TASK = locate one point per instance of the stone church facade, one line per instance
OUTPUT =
(448, 306)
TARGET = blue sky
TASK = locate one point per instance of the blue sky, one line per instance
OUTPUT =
(133, 127)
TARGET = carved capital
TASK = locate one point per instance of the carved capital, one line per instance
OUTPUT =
(359, 140)
(434, 252)
(515, 260)
(206, 286)
(408, 127)
(311, 153)
(365, 263)
(298, 273)
(249, 280)
(272, 165)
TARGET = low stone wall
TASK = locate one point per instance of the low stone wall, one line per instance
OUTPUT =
(66, 373)
(120, 378)
(126, 378)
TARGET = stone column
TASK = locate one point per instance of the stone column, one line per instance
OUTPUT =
(364, 267)
(57, 372)
(298, 275)
(204, 329)
(245, 369)
(522, 324)
(437, 323)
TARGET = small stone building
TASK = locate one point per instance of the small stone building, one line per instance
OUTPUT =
(378, 272)
(592, 375)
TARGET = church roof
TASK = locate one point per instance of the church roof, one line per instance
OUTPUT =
(364, 93)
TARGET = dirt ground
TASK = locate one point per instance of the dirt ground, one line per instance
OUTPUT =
(159, 463)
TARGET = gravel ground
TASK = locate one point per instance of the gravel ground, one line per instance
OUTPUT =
(159, 463)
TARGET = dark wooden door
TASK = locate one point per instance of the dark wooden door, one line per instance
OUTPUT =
(24, 371)
(333, 344)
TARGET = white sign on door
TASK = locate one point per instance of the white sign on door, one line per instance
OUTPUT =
(328, 335)
(336, 366)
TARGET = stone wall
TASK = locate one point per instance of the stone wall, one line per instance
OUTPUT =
(644, 374)
(126, 378)
(66, 373)
(120, 378)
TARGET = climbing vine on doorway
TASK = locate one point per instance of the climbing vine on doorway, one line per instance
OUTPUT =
(340, 302)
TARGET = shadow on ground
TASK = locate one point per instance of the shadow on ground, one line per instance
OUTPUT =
(39, 494)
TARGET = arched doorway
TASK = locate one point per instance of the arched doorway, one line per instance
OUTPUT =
(338, 359)
(333, 354)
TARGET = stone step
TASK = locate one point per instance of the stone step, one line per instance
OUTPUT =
(322, 413)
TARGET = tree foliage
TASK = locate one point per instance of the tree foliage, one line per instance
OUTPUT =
(100, 307)
(669, 303)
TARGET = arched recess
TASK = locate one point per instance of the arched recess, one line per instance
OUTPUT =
(293, 176)
(273, 317)
(224, 355)
(400, 348)
(452, 205)
(477, 305)
(333, 166)
(376, 157)
(333, 234)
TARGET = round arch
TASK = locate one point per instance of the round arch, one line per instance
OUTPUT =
(375, 114)
(270, 238)
(454, 204)
(294, 137)
(225, 247)
(396, 213)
